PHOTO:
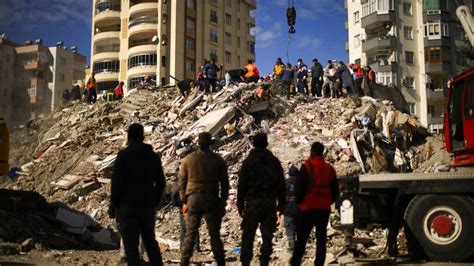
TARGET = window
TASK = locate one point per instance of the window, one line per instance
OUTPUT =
(434, 30)
(62, 77)
(431, 109)
(238, 22)
(407, 8)
(433, 55)
(106, 66)
(190, 44)
(412, 108)
(133, 82)
(191, 4)
(190, 65)
(386, 78)
(228, 38)
(357, 41)
(408, 32)
(214, 35)
(469, 101)
(435, 5)
(228, 58)
(213, 54)
(410, 82)
(62, 60)
(356, 17)
(228, 19)
(190, 24)
(228, 3)
(142, 60)
(214, 16)
(238, 42)
(461, 58)
(163, 60)
(252, 47)
(164, 18)
(409, 57)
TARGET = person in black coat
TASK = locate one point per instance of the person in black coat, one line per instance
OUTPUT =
(137, 185)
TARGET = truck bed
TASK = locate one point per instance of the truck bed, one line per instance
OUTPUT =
(448, 182)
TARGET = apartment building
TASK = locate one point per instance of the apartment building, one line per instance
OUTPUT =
(27, 78)
(69, 70)
(132, 39)
(415, 45)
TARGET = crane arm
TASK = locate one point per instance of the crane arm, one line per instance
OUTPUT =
(467, 21)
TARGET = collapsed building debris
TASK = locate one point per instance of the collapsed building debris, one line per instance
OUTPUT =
(71, 152)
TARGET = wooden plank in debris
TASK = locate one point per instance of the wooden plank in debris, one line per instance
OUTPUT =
(67, 182)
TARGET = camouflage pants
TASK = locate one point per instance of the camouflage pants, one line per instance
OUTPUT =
(212, 209)
(257, 212)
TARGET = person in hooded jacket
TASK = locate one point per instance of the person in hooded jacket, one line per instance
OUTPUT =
(138, 182)
(260, 194)
(344, 76)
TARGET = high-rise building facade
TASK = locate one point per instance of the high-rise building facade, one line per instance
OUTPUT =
(132, 39)
(415, 45)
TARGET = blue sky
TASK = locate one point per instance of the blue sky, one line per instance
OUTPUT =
(319, 27)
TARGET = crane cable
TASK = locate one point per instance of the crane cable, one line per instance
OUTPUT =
(291, 18)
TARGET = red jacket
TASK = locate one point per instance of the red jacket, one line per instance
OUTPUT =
(317, 184)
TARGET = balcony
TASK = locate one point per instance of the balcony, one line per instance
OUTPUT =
(107, 76)
(34, 65)
(252, 4)
(146, 70)
(434, 94)
(108, 35)
(107, 6)
(142, 48)
(143, 7)
(106, 16)
(142, 24)
(384, 66)
(378, 42)
(437, 41)
(375, 13)
(434, 119)
(103, 56)
(438, 67)
(436, 15)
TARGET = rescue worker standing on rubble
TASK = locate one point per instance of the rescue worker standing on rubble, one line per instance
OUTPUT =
(137, 185)
(91, 86)
(278, 70)
(210, 74)
(302, 76)
(369, 81)
(287, 79)
(345, 77)
(202, 175)
(316, 190)
(316, 78)
(358, 75)
(252, 74)
(260, 194)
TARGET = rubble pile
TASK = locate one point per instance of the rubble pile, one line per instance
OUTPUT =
(75, 149)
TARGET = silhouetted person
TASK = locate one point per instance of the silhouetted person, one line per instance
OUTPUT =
(260, 193)
(137, 184)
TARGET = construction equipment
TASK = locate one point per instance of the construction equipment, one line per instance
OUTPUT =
(436, 210)
(4, 147)
(467, 21)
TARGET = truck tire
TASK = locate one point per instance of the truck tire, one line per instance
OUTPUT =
(442, 226)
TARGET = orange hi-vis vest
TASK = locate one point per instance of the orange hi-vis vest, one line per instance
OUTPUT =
(318, 194)
(252, 71)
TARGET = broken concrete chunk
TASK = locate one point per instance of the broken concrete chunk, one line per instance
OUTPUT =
(67, 182)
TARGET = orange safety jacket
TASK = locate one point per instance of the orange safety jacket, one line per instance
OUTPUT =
(318, 194)
(252, 71)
